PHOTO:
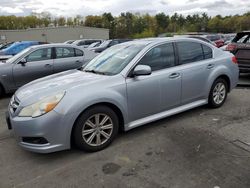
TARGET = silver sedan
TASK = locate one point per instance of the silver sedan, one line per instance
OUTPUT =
(126, 86)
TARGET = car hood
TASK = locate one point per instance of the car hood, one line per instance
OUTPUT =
(53, 84)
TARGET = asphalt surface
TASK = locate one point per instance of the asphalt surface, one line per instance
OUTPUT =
(200, 148)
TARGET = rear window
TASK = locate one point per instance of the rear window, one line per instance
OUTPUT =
(190, 52)
(65, 52)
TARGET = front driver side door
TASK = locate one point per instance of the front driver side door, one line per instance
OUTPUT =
(38, 64)
(160, 91)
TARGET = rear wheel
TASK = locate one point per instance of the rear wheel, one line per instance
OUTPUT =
(218, 93)
(96, 128)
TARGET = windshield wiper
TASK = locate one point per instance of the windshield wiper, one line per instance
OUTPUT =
(95, 72)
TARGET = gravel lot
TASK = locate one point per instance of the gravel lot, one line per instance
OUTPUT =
(199, 148)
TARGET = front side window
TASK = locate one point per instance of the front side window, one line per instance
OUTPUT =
(114, 60)
(159, 57)
(189, 52)
(64, 52)
(39, 55)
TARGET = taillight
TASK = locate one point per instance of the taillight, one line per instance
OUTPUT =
(234, 60)
(230, 47)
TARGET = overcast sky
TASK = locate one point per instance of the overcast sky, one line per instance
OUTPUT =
(69, 8)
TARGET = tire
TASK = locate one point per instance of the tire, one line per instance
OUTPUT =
(91, 136)
(219, 89)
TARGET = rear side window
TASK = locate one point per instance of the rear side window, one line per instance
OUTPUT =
(78, 52)
(39, 55)
(65, 52)
(208, 52)
(159, 57)
(189, 52)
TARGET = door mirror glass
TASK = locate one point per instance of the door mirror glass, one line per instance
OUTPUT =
(23, 61)
(141, 70)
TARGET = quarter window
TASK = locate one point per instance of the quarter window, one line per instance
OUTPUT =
(79, 52)
(208, 53)
(160, 57)
(189, 52)
(39, 55)
(65, 52)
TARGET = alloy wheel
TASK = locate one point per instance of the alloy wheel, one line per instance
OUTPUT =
(97, 129)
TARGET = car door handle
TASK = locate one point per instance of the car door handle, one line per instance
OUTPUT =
(174, 75)
(78, 61)
(210, 66)
(48, 65)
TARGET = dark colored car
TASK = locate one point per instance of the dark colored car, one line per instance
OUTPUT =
(108, 43)
(217, 39)
(240, 47)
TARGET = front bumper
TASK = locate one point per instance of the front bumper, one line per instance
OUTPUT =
(53, 127)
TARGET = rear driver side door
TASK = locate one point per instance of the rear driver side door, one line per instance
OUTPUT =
(67, 58)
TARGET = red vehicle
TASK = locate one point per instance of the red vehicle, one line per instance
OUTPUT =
(240, 47)
(217, 39)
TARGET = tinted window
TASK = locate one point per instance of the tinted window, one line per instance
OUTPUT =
(39, 55)
(79, 52)
(189, 52)
(160, 57)
(64, 52)
(208, 53)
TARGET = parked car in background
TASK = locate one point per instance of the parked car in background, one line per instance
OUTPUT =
(36, 62)
(126, 86)
(108, 43)
(217, 39)
(5, 45)
(69, 41)
(86, 42)
(16, 47)
(199, 37)
(95, 44)
(240, 47)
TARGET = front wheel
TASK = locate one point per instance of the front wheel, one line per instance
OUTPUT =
(96, 128)
(218, 93)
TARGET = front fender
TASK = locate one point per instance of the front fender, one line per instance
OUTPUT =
(73, 104)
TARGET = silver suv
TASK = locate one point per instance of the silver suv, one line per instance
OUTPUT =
(36, 62)
(124, 87)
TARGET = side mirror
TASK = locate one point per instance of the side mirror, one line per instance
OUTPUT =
(23, 61)
(142, 70)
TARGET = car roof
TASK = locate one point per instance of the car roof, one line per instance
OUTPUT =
(56, 45)
(154, 41)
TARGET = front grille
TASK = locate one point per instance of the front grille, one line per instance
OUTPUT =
(14, 104)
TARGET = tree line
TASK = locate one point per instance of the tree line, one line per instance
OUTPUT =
(129, 25)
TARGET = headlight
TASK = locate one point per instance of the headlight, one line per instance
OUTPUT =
(41, 107)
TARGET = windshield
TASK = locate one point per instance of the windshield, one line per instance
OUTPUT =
(105, 43)
(6, 45)
(95, 44)
(114, 60)
(17, 56)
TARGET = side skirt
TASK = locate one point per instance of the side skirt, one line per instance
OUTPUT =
(164, 114)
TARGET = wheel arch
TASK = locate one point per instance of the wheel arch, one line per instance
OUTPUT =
(112, 106)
